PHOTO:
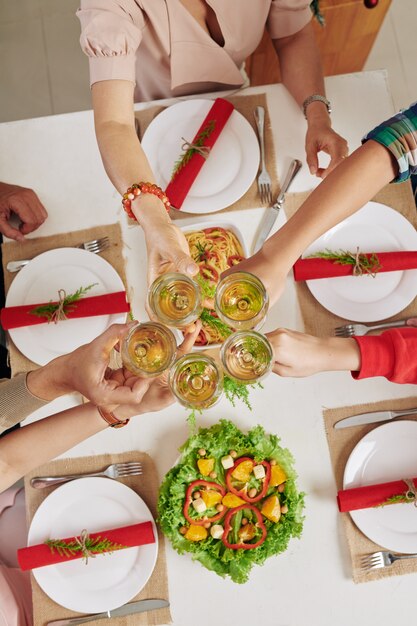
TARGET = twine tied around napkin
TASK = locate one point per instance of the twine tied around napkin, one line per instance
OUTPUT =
(198, 149)
(59, 313)
(82, 542)
(411, 493)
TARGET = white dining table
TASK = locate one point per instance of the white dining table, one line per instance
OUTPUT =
(309, 584)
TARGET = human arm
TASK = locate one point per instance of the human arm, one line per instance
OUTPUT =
(24, 203)
(36, 443)
(298, 354)
(85, 370)
(391, 355)
(302, 75)
(126, 163)
(355, 181)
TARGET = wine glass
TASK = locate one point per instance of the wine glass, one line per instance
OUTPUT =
(247, 356)
(196, 380)
(175, 299)
(241, 301)
(148, 349)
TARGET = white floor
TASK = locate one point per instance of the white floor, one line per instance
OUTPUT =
(43, 70)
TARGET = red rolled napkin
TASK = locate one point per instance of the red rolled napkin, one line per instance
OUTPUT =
(313, 268)
(108, 303)
(376, 495)
(124, 537)
(212, 125)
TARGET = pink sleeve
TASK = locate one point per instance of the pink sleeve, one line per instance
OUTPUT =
(287, 17)
(111, 32)
(392, 355)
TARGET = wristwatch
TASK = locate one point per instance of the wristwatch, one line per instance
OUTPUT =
(111, 419)
(316, 98)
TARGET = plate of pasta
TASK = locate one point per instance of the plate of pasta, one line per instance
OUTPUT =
(215, 248)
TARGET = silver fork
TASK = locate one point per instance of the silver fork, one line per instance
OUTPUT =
(264, 179)
(116, 470)
(95, 246)
(348, 330)
(376, 560)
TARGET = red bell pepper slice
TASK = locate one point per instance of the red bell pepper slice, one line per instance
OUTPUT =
(189, 498)
(228, 527)
(242, 493)
(216, 229)
(208, 272)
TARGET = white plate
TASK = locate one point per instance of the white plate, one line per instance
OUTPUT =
(385, 454)
(374, 228)
(108, 580)
(230, 168)
(40, 280)
(227, 226)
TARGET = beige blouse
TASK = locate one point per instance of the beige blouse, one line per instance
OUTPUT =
(159, 45)
(16, 401)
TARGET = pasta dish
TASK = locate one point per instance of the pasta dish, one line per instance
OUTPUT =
(214, 250)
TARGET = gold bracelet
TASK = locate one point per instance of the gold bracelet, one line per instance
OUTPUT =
(111, 419)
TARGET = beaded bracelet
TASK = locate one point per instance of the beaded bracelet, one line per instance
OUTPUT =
(138, 188)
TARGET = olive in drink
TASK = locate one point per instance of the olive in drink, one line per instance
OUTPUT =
(247, 356)
(148, 349)
(175, 299)
(241, 301)
(196, 381)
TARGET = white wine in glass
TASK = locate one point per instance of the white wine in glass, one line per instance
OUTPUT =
(175, 299)
(196, 381)
(241, 301)
(247, 356)
(148, 349)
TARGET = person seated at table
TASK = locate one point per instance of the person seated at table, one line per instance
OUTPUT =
(23, 204)
(114, 395)
(141, 51)
(391, 354)
(388, 154)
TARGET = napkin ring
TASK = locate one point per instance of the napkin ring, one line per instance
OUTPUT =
(111, 419)
(140, 188)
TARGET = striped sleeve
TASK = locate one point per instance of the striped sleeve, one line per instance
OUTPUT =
(399, 136)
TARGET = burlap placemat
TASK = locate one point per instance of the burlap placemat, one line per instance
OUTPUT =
(317, 320)
(341, 443)
(146, 486)
(14, 251)
(246, 106)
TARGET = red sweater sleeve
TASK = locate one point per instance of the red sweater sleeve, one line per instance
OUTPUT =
(393, 354)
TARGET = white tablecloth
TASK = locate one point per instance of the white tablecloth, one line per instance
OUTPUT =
(310, 584)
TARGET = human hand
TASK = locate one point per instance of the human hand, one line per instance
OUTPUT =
(321, 137)
(26, 205)
(270, 274)
(168, 252)
(297, 354)
(157, 395)
(86, 370)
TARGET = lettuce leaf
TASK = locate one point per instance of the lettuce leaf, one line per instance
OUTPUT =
(211, 553)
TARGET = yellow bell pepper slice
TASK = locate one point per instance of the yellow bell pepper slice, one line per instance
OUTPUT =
(196, 533)
(271, 508)
(205, 466)
(232, 501)
(278, 476)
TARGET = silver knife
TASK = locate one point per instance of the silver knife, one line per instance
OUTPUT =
(371, 418)
(272, 212)
(127, 609)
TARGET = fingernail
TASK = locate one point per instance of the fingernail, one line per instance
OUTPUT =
(192, 269)
(313, 170)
